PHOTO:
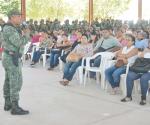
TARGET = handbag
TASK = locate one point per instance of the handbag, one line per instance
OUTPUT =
(141, 65)
(73, 57)
(64, 56)
(119, 63)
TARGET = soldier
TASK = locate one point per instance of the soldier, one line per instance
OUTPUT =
(42, 26)
(66, 26)
(31, 25)
(14, 41)
(47, 25)
(96, 22)
(36, 26)
(1, 37)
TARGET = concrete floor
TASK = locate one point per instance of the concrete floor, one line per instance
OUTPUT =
(52, 104)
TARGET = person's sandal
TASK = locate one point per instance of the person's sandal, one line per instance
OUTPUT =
(113, 92)
(126, 99)
(64, 83)
(49, 69)
(32, 64)
(143, 102)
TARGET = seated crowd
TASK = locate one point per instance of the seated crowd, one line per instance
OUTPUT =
(73, 43)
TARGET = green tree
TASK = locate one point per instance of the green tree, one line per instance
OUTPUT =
(62, 9)
(52, 9)
(6, 5)
(108, 8)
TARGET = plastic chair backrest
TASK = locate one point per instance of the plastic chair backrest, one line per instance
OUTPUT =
(105, 56)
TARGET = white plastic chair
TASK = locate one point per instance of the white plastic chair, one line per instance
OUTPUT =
(61, 63)
(80, 71)
(123, 77)
(123, 85)
(26, 47)
(44, 56)
(105, 56)
(29, 54)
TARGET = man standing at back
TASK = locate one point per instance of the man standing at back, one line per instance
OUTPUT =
(14, 41)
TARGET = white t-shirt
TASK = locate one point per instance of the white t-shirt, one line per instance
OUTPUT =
(147, 55)
(127, 50)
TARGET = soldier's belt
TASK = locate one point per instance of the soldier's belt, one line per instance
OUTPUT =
(12, 53)
(15, 56)
(9, 52)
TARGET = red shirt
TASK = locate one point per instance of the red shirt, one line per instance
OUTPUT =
(35, 38)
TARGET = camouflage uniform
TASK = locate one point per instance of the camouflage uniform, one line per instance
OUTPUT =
(36, 26)
(67, 27)
(13, 74)
(42, 26)
(1, 38)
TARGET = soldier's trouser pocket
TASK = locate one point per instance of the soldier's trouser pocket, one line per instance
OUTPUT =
(15, 59)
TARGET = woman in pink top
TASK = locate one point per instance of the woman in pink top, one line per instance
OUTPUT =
(73, 37)
(84, 49)
(120, 36)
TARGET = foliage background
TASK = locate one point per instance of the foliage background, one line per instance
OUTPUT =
(63, 9)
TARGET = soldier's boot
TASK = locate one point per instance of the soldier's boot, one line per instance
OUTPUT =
(7, 105)
(16, 110)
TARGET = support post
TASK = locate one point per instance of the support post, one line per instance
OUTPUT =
(23, 9)
(90, 11)
(140, 9)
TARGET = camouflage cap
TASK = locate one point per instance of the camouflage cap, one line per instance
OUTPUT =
(13, 13)
(105, 26)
